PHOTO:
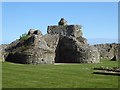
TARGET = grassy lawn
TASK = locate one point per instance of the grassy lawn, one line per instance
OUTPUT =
(57, 76)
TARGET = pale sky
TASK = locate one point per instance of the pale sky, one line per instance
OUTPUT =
(99, 19)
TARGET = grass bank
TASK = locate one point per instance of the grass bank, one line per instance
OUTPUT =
(57, 76)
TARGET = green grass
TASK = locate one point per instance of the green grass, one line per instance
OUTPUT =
(57, 76)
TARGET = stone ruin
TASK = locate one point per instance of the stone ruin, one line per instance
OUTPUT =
(109, 51)
(62, 44)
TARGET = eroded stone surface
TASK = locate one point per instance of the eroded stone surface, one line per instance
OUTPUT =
(70, 50)
(109, 51)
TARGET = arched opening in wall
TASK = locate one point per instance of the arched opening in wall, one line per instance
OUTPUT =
(66, 51)
(16, 58)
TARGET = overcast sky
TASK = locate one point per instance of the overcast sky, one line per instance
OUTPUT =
(99, 20)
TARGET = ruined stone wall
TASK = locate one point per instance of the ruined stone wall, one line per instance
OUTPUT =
(34, 50)
(2, 51)
(63, 44)
(109, 51)
(70, 50)
(72, 47)
(67, 30)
